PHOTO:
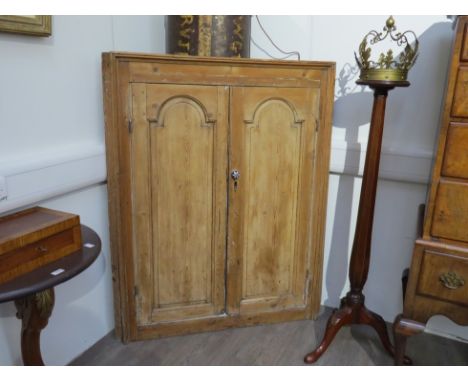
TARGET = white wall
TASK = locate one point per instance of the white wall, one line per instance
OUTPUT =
(411, 125)
(52, 143)
(52, 129)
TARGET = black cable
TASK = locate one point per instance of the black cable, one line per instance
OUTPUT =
(288, 54)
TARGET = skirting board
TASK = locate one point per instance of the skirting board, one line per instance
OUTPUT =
(43, 175)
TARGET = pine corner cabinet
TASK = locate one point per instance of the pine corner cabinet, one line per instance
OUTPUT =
(217, 185)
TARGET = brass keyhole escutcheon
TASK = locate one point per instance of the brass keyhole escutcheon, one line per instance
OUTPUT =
(235, 175)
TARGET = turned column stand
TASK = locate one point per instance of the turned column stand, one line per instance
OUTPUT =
(352, 309)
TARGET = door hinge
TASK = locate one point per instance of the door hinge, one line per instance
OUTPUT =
(316, 125)
(130, 126)
(135, 291)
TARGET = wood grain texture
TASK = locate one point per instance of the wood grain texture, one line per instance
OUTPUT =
(170, 119)
(35, 255)
(464, 49)
(451, 211)
(117, 119)
(273, 135)
(318, 202)
(30, 225)
(109, 84)
(425, 297)
(460, 98)
(35, 237)
(179, 190)
(436, 264)
(360, 253)
(455, 163)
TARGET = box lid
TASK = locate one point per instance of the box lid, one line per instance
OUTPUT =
(28, 226)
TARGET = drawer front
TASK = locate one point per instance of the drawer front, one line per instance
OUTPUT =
(445, 277)
(460, 98)
(464, 49)
(451, 211)
(34, 255)
(456, 152)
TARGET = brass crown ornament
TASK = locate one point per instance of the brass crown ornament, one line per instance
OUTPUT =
(387, 68)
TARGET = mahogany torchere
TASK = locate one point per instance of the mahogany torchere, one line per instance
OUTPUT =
(352, 309)
(381, 75)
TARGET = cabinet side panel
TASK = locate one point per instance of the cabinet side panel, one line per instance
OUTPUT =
(141, 205)
(112, 159)
(321, 108)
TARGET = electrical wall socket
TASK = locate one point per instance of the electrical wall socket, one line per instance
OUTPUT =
(3, 189)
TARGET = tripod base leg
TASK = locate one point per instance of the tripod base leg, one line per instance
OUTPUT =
(338, 319)
(353, 311)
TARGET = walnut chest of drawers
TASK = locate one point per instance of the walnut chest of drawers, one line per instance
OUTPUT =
(438, 280)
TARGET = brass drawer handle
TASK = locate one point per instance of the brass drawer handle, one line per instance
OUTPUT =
(451, 280)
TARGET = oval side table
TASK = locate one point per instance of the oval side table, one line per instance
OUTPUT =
(33, 293)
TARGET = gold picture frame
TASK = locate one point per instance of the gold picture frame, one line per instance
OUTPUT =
(30, 25)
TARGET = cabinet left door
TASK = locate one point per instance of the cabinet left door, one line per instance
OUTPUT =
(178, 173)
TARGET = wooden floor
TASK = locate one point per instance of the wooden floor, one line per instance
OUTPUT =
(279, 344)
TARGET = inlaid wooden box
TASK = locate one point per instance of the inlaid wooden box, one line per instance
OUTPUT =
(34, 237)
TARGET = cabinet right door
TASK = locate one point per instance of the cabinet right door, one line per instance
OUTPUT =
(272, 147)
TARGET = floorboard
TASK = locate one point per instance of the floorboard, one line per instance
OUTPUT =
(278, 344)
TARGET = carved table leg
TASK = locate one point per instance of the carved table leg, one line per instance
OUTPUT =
(34, 312)
(402, 329)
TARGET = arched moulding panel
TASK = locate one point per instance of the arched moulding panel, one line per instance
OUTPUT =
(281, 102)
(272, 164)
(178, 193)
(159, 121)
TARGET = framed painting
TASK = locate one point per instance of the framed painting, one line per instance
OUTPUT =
(31, 25)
